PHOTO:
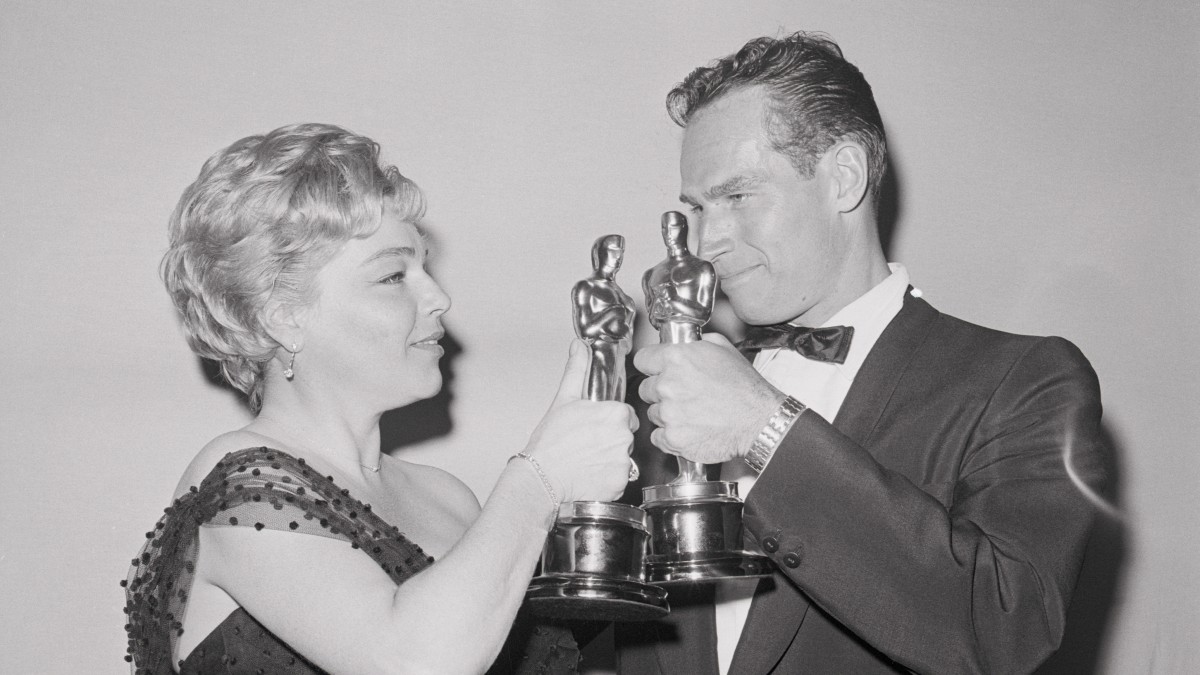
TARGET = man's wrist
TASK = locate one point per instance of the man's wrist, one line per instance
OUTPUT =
(768, 439)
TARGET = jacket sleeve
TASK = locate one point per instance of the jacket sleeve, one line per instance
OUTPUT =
(975, 575)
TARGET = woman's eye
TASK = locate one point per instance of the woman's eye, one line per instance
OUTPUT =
(393, 278)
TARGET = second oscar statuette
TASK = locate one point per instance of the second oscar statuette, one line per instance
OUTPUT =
(695, 523)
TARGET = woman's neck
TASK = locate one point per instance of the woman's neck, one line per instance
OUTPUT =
(350, 445)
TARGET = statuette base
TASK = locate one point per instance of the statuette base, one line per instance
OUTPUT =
(696, 534)
(706, 567)
(595, 598)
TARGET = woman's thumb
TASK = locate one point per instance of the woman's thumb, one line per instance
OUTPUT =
(571, 387)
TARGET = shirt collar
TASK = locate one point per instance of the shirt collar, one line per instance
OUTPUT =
(870, 314)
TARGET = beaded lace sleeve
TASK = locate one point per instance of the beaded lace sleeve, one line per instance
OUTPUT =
(256, 487)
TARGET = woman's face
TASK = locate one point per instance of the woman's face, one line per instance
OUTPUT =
(372, 334)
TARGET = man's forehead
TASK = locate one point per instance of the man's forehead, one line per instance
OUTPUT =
(718, 147)
(737, 114)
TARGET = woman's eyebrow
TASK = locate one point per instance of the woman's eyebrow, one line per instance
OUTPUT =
(392, 252)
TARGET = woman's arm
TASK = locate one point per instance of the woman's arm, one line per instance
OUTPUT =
(341, 610)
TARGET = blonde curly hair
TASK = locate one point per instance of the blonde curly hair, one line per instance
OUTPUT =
(262, 218)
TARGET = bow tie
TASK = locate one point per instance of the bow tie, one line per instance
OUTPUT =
(830, 344)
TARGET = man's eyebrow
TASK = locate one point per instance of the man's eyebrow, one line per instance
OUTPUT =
(731, 186)
(736, 184)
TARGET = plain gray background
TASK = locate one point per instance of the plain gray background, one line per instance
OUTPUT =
(1046, 158)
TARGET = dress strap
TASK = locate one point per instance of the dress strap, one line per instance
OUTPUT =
(255, 487)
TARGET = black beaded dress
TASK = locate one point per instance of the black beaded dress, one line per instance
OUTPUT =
(267, 489)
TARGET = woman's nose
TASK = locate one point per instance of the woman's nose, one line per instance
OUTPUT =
(437, 300)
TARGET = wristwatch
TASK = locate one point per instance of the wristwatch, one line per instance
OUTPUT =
(776, 428)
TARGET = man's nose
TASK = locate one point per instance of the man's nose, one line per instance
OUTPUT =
(709, 237)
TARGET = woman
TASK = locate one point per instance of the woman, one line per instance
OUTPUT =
(297, 265)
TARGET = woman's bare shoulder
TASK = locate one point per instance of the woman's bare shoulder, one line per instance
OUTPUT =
(215, 450)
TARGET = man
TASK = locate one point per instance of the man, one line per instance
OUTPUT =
(920, 490)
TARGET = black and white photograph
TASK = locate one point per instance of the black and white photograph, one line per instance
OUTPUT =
(612, 338)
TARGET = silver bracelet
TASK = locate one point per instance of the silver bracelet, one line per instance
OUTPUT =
(541, 474)
(776, 428)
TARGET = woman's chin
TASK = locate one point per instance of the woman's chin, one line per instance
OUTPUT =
(419, 392)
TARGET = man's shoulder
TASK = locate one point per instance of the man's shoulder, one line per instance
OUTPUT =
(957, 341)
(956, 330)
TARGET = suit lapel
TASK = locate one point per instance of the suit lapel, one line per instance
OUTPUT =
(883, 368)
(778, 611)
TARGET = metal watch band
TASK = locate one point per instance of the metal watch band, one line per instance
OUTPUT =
(776, 428)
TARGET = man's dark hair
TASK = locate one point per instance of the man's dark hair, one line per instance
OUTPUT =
(818, 98)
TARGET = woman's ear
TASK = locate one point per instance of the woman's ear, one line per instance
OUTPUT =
(285, 324)
(850, 174)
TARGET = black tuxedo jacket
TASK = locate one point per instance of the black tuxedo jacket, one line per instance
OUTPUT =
(937, 526)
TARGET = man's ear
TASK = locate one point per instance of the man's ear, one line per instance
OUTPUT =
(285, 324)
(849, 175)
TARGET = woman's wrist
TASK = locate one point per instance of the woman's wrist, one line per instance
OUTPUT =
(534, 488)
(546, 484)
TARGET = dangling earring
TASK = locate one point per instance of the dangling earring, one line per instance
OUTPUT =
(288, 372)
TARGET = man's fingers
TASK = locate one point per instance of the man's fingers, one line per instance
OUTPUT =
(654, 415)
(648, 390)
(658, 438)
(718, 339)
(648, 359)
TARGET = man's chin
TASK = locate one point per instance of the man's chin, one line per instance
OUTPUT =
(753, 312)
(747, 306)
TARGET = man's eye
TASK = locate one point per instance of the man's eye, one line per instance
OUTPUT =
(695, 208)
(738, 197)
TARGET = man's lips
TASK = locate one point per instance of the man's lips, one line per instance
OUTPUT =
(735, 275)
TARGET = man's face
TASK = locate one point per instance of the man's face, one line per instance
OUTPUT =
(771, 234)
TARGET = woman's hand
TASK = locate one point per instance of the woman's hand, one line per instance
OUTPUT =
(583, 446)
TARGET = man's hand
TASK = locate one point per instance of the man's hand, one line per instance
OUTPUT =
(706, 400)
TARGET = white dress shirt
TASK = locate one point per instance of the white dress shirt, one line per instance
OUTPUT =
(822, 387)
